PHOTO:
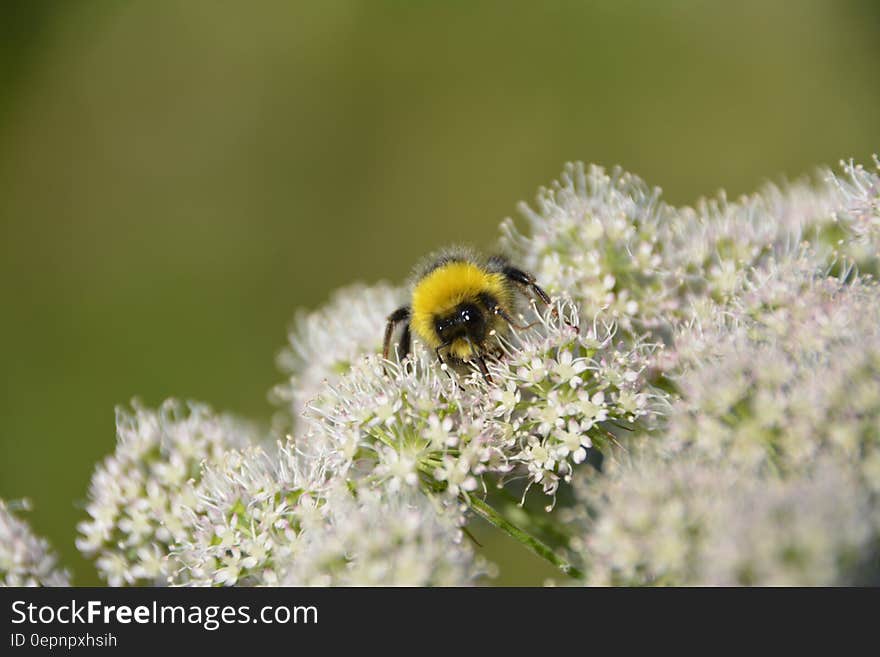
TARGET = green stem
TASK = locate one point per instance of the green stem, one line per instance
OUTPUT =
(539, 522)
(535, 545)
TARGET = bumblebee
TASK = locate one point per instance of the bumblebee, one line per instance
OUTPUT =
(459, 301)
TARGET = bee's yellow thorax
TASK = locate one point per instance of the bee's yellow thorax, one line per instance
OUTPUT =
(440, 291)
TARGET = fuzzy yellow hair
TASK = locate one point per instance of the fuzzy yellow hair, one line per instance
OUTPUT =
(444, 288)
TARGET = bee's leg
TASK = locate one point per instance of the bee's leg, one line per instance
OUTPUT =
(483, 369)
(405, 342)
(445, 364)
(399, 315)
(507, 318)
(526, 279)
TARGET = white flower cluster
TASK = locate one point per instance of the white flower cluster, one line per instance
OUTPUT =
(138, 495)
(26, 559)
(695, 522)
(557, 390)
(608, 241)
(792, 371)
(680, 339)
(323, 345)
(566, 390)
(814, 530)
(240, 513)
(768, 468)
(366, 539)
(596, 237)
(855, 200)
(243, 520)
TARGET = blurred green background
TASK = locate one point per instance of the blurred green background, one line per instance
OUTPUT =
(176, 178)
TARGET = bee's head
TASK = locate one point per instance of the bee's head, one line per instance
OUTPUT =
(466, 320)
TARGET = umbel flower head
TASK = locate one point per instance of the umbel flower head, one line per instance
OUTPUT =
(722, 360)
(607, 240)
(26, 559)
(790, 371)
(246, 516)
(323, 345)
(138, 495)
(556, 392)
(596, 236)
(699, 522)
(374, 537)
(768, 469)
